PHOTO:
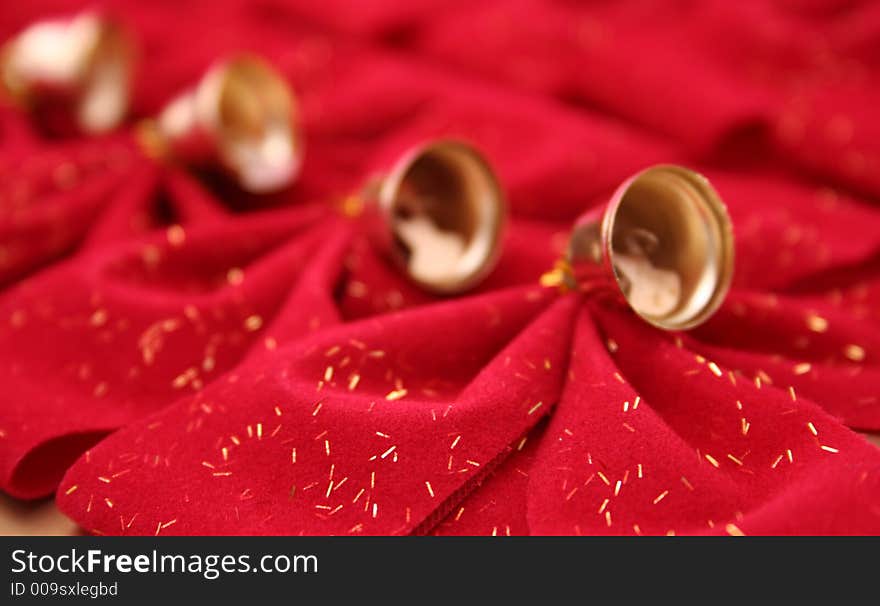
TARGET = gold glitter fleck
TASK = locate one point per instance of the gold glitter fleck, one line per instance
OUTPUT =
(253, 323)
(396, 394)
(812, 428)
(829, 449)
(603, 506)
(712, 460)
(176, 236)
(603, 478)
(71, 490)
(802, 368)
(816, 323)
(99, 318)
(734, 459)
(612, 345)
(317, 408)
(617, 486)
(327, 447)
(660, 496)
(715, 370)
(108, 502)
(534, 408)
(353, 381)
(185, 378)
(455, 442)
(789, 455)
(686, 483)
(792, 394)
(734, 531)
(208, 363)
(235, 276)
(608, 518)
(854, 353)
(430, 489)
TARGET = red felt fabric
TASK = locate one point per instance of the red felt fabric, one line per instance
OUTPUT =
(218, 347)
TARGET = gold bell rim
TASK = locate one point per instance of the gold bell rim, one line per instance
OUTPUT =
(710, 206)
(485, 246)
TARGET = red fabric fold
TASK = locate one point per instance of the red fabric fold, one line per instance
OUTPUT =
(698, 452)
(636, 417)
(124, 328)
(360, 429)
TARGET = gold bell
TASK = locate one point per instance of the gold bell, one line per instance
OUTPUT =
(666, 239)
(74, 73)
(241, 117)
(439, 212)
